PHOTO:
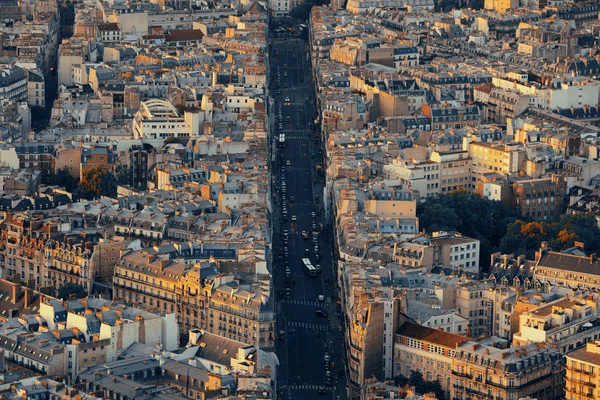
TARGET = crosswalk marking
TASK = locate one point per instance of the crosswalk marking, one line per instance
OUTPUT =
(308, 387)
(302, 204)
(303, 303)
(306, 325)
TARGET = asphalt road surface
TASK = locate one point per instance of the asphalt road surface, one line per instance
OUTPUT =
(310, 348)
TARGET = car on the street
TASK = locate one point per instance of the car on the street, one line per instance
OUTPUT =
(288, 119)
(321, 297)
(280, 126)
(288, 163)
(307, 251)
(313, 215)
(292, 199)
(294, 218)
(321, 313)
(287, 100)
(288, 293)
(304, 235)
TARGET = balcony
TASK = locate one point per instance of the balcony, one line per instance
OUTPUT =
(462, 374)
(579, 381)
(582, 371)
(589, 395)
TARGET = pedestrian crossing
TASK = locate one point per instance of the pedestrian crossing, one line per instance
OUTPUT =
(303, 303)
(298, 137)
(302, 204)
(308, 326)
(308, 387)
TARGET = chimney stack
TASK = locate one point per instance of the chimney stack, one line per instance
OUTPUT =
(16, 292)
(28, 297)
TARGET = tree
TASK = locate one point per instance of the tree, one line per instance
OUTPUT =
(64, 178)
(470, 215)
(122, 174)
(421, 385)
(98, 181)
(70, 290)
(526, 237)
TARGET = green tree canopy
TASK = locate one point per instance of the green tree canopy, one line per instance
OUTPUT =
(64, 178)
(470, 215)
(69, 290)
(122, 174)
(526, 237)
(98, 181)
(421, 385)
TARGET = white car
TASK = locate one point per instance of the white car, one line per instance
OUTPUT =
(294, 218)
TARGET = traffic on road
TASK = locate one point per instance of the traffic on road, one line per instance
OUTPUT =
(310, 347)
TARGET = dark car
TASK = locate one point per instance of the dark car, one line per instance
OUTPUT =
(320, 313)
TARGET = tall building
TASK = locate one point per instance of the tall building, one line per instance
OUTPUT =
(374, 319)
(567, 323)
(540, 198)
(582, 377)
(484, 371)
(200, 296)
(13, 84)
(426, 350)
(138, 167)
(37, 252)
(455, 170)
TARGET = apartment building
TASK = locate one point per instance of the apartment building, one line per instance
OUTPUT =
(426, 350)
(242, 313)
(448, 249)
(452, 115)
(529, 371)
(37, 253)
(541, 198)
(501, 158)
(569, 270)
(13, 84)
(422, 177)
(39, 156)
(582, 377)
(370, 337)
(200, 297)
(474, 304)
(567, 323)
(171, 176)
(455, 170)
(104, 328)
